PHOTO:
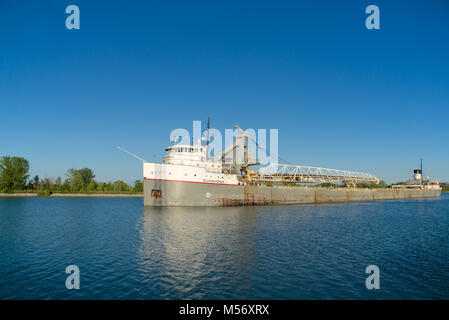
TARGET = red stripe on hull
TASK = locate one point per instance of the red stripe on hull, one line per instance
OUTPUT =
(221, 184)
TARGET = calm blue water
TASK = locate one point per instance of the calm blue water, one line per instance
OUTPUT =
(271, 252)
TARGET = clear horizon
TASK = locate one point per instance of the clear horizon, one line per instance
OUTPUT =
(341, 96)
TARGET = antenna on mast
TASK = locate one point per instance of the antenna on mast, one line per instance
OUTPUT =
(208, 127)
(131, 154)
(207, 141)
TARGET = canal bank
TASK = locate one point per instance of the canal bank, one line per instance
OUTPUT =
(71, 195)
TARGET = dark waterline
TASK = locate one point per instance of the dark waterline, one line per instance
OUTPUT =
(270, 252)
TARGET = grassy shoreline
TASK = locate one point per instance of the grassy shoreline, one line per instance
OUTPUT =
(71, 195)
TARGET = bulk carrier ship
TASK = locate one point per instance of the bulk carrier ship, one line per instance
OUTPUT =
(189, 177)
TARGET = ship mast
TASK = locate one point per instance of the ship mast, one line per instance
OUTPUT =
(207, 141)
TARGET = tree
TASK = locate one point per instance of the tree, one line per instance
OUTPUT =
(34, 183)
(138, 186)
(92, 186)
(80, 179)
(100, 186)
(65, 186)
(13, 173)
(77, 183)
(382, 184)
(445, 186)
(108, 186)
(87, 175)
(120, 186)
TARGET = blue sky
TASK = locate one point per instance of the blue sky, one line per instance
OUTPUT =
(341, 96)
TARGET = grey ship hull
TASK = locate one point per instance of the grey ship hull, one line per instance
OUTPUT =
(173, 193)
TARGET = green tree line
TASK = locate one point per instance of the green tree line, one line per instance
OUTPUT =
(382, 184)
(444, 186)
(14, 177)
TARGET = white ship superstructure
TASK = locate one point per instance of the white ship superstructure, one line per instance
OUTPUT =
(189, 164)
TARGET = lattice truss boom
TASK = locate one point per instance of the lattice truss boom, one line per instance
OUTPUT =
(304, 174)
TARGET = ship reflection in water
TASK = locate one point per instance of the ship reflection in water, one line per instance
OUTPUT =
(192, 249)
(295, 252)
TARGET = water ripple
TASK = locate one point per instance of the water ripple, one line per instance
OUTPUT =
(269, 252)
